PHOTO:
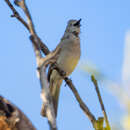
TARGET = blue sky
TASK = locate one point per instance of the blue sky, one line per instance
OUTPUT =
(103, 30)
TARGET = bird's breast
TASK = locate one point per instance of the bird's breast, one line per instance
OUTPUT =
(69, 56)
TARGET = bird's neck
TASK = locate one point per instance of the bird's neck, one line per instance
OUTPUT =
(70, 35)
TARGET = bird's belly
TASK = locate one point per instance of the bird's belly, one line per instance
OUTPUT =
(68, 60)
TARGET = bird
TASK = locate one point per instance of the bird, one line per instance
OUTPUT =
(67, 60)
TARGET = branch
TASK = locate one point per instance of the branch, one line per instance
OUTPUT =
(81, 103)
(23, 6)
(43, 47)
(97, 124)
(45, 94)
(16, 14)
(101, 102)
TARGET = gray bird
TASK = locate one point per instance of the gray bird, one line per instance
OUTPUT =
(69, 56)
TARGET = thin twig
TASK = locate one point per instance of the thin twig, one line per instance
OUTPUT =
(16, 14)
(101, 101)
(23, 5)
(81, 103)
(43, 47)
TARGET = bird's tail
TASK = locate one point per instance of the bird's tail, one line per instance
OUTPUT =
(55, 92)
(55, 84)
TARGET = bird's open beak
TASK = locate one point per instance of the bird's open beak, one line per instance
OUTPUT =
(78, 23)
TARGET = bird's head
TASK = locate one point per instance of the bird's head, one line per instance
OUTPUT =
(73, 27)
